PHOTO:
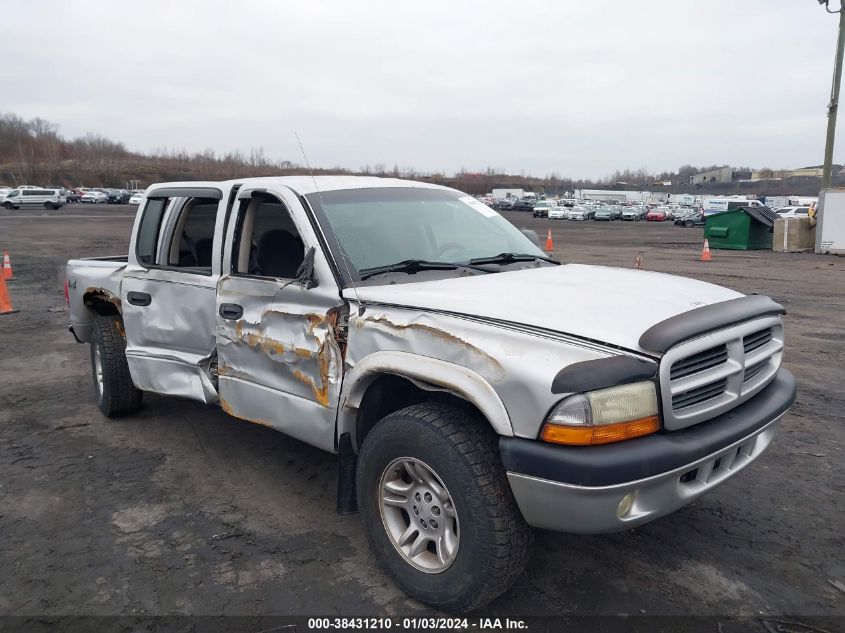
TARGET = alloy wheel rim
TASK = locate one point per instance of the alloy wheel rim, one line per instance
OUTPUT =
(98, 369)
(419, 515)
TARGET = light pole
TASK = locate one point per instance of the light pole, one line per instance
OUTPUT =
(833, 106)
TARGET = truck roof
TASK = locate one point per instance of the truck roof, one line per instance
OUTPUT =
(303, 185)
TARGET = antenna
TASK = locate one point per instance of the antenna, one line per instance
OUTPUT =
(343, 253)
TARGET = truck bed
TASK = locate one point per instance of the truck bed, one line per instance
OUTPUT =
(97, 279)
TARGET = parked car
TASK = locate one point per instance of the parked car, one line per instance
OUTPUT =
(696, 218)
(117, 196)
(136, 198)
(93, 196)
(459, 419)
(580, 213)
(604, 214)
(793, 212)
(504, 204)
(633, 214)
(21, 198)
(72, 195)
(525, 204)
(543, 208)
(656, 215)
(558, 213)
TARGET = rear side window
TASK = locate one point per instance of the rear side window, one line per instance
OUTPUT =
(191, 245)
(145, 248)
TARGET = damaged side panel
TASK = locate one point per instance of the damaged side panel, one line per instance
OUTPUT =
(170, 340)
(280, 363)
(87, 279)
(515, 365)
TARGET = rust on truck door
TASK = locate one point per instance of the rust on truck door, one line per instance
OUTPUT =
(279, 363)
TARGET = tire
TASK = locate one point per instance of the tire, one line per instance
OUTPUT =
(689, 224)
(8, 205)
(489, 537)
(116, 394)
(50, 205)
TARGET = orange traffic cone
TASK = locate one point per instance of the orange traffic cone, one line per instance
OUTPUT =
(5, 301)
(8, 275)
(705, 252)
(638, 263)
(550, 245)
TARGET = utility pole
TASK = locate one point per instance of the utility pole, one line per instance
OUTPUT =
(833, 106)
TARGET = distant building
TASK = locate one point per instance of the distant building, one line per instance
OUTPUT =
(605, 195)
(723, 174)
(780, 174)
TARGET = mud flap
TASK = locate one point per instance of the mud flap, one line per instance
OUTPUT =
(347, 467)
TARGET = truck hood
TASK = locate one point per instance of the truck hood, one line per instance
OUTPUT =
(609, 305)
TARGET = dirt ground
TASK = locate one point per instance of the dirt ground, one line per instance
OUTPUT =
(185, 510)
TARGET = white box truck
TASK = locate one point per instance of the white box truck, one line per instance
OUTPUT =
(830, 230)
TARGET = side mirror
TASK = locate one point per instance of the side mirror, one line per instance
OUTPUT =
(305, 272)
(531, 235)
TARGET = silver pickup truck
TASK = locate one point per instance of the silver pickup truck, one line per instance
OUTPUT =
(471, 387)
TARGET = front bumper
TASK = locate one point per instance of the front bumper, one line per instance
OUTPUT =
(579, 489)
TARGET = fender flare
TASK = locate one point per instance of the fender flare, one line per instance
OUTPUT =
(453, 378)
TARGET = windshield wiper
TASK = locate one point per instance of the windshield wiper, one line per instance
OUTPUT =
(507, 258)
(406, 266)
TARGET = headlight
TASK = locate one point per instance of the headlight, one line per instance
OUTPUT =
(603, 416)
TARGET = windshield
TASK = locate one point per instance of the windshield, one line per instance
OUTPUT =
(382, 226)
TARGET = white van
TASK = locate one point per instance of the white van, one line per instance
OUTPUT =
(47, 198)
(720, 205)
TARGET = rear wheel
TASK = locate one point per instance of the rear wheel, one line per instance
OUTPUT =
(116, 394)
(689, 224)
(437, 507)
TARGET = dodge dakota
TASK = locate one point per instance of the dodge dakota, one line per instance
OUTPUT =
(471, 387)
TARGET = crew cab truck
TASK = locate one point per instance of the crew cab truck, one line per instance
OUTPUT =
(471, 387)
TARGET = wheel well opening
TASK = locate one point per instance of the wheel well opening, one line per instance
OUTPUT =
(101, 304)
(389, 393)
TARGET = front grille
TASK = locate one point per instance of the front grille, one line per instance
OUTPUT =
(756, 340)
(754, 370)
(700, 394)
(699, 362)
(713, 373)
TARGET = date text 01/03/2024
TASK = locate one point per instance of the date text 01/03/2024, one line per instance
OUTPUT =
(417, 623)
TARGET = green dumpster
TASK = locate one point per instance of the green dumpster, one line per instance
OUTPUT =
(744, 229)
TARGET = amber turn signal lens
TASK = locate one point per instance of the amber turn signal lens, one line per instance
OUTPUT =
(599, 434)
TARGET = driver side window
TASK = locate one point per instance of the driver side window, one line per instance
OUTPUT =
(268, 244)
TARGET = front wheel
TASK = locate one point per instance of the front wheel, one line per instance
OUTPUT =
(689, 224)
(8, 205)
(116, 394)
(438, 509)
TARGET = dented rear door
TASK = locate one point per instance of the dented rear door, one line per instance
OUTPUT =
(279, 359)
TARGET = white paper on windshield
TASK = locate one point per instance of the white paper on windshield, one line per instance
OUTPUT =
(482, 208)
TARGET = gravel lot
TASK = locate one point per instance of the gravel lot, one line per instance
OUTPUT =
(185, 510)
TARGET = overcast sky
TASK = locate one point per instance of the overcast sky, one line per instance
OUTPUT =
(577, 88)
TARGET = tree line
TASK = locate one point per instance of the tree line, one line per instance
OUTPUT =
(34, 152)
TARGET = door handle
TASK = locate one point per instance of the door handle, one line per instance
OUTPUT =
(139, 298)
(231, 311)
